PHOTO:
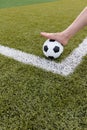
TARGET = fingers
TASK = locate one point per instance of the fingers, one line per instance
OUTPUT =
(44, 34)
(47, 35)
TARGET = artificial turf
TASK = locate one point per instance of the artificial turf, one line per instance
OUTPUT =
(31, 98)
(13, 3)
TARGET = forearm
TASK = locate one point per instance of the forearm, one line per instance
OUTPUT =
(78, 24)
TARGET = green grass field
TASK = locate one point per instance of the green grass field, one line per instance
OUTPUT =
(10, 3)
(31, 98)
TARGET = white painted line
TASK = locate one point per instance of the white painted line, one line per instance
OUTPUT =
(64, 68)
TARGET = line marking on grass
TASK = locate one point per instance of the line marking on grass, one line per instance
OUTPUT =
(66, 67)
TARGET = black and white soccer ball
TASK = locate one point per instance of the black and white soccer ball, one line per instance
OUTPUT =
(52, 49)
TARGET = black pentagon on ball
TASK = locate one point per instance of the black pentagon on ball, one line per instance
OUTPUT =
(56, 49)
(51, 40)
(45, 48)
(51, 57)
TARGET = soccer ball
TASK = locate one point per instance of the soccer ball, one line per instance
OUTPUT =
(52, 49)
